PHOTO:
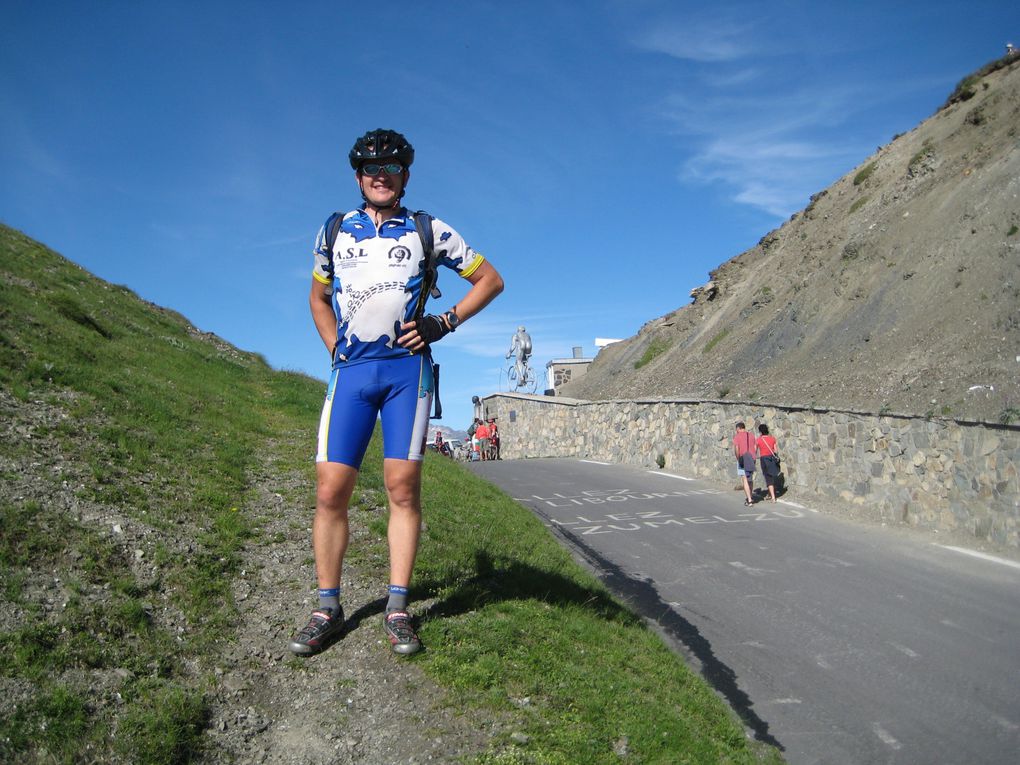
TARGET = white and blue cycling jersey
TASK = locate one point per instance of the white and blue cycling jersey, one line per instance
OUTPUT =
(377, 277)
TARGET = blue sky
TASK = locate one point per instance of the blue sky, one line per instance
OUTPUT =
(603, 155)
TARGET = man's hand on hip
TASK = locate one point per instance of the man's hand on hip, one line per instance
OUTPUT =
(432, 328)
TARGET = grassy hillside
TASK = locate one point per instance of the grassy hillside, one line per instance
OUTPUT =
(133, 455)
(111, 404)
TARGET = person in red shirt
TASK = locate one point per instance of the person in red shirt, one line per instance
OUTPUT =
(494, 438)
(441, 446)
(743, 449)
(768, 455)
(482, 434)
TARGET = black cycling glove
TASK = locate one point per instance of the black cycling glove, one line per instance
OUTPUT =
(432, 328)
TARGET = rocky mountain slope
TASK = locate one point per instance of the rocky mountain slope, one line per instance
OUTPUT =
(896, 289)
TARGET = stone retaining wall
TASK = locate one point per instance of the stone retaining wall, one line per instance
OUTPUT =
(935, 473)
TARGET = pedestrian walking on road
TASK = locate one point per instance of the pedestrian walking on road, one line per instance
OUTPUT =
(743, 450)
(768, 456)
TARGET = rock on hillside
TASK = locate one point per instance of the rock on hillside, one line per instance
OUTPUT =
(896, 289)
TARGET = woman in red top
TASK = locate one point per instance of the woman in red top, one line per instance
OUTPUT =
(483, 436)
(768, 455)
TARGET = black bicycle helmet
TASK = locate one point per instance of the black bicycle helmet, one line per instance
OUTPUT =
(380, 145)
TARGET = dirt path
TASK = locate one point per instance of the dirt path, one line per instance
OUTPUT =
(355, 703)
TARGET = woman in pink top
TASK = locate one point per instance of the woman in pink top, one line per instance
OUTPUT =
(768, 456)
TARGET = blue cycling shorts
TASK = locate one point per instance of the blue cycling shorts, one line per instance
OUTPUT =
(397, 390)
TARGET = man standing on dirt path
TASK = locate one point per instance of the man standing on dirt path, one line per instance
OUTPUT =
(369, 288)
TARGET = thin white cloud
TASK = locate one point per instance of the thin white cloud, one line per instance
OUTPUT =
(484, 335)
(22, 144)
(287, 241)
(192, 233)
(460, 388)
(553, 334)
(771, 138)
(732, 78)
(709, 39)
(750, 113)
(773, 175)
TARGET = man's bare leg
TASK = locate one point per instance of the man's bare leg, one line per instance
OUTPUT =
(330, 531)
(403, 487)
(331, 528)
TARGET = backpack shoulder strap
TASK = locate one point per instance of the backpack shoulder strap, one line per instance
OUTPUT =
(333, 228)
(423, 223)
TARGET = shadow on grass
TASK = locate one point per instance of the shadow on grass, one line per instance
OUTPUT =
(515, 580)
(494, 583)
(641, 595)
(519, 581)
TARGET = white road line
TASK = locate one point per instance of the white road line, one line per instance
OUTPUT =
(669, 475)
(595, 462)
(794, 504)
(786, 701)
(981, 555)
(886, 736)
(837, 561)
(1007, 724)
(903, 649)
(750, 569)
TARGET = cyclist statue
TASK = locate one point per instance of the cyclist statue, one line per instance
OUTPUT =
(520, 347)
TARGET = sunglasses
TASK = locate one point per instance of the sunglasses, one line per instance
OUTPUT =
(393, 168)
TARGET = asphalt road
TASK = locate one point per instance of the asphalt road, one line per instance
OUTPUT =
(841, 642)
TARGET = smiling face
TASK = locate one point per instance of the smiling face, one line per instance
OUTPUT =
(382, 189)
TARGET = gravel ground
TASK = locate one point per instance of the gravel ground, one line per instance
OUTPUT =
(356, 702)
